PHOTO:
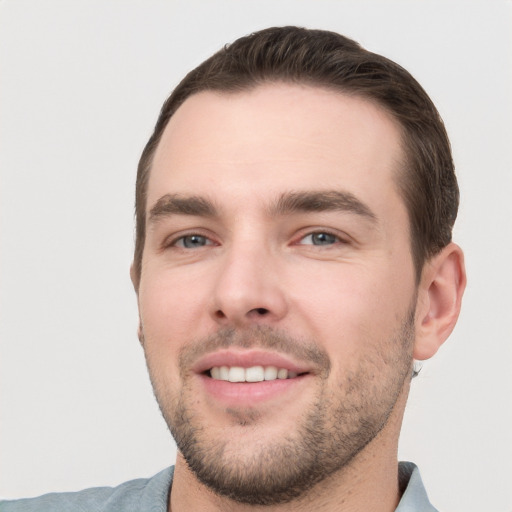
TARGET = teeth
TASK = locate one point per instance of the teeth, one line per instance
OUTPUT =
(224, 373)
(282, 373)
(255, 374)
(252, 374)
(270, 373)
(236, 374)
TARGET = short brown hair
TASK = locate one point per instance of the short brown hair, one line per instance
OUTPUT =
(426, 181)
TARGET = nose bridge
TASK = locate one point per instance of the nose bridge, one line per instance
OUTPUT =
(247, 288)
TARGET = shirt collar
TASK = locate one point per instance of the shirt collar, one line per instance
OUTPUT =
(414, 497)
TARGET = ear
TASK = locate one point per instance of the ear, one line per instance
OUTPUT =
(135, 283)
(134, 279)
(140, 334)
(440, 291)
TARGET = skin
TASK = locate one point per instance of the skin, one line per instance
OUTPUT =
(257, 267)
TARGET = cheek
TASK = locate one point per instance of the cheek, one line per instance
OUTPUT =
(170, 310)
(353, 308)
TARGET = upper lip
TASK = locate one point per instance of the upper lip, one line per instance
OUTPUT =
(247, 359)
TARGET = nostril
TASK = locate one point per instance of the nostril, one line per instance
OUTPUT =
(255, 312)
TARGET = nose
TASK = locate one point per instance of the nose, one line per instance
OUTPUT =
(248, 289)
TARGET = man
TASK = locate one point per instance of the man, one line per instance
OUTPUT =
(293, 258)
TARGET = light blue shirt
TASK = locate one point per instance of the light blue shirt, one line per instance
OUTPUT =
(150, 495)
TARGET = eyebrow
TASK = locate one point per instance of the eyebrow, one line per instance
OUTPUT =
(287, 204)
(319, 201)
(175, 204)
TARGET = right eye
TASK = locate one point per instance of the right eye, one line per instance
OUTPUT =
(192, 242)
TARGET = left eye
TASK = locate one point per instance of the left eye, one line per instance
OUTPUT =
(192, 241)
(320, 238)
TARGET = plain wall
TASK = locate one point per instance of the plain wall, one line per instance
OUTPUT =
(81, 86)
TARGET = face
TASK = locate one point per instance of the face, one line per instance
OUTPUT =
(277, 291)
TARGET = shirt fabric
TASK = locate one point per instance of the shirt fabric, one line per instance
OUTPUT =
(150, 495)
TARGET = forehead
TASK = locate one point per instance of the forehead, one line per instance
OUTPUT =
(273, 138)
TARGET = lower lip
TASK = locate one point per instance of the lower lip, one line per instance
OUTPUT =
(249, 393)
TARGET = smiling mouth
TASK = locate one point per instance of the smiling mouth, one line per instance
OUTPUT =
(251, 374)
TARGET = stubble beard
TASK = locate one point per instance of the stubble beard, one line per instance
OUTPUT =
(327, 437)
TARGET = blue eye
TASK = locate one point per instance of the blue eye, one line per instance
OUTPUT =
(320, 238)
(192, 241)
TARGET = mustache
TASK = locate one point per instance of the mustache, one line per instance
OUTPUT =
(256, 337)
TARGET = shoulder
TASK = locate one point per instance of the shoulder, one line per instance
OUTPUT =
(143, 494)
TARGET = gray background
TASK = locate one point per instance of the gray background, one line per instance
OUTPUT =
(81, 85)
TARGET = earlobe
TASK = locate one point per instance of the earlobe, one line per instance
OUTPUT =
(440, 293)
